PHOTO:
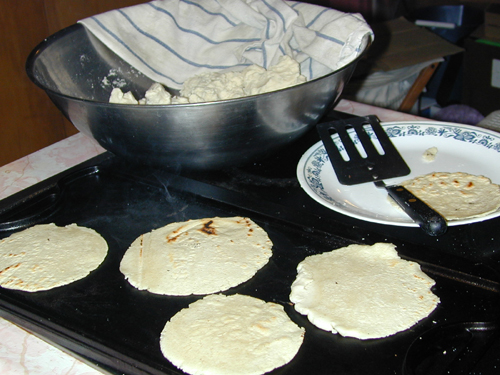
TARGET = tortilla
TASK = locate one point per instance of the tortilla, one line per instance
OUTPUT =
(197, 256)
(362, 291)
(233, 335)
(458, 195)
(46, 256)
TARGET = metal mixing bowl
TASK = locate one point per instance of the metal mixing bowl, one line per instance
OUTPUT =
(77, 72)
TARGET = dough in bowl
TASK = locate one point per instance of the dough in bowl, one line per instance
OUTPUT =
(362, 291)
(230, 335)
(199, 256)
(46, 256)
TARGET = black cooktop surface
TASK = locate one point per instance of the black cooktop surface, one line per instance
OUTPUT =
(105, 321)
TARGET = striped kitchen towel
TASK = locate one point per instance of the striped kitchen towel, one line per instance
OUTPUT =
(172, 40)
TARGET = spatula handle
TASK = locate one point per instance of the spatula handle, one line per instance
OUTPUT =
(429, 220)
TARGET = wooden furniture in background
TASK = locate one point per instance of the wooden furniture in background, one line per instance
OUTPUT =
(418, 86)
(29, 121)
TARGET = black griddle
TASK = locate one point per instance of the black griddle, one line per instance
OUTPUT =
(109, 324)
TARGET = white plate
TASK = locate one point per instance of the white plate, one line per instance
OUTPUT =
(461, 148)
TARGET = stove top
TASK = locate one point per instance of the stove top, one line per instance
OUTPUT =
(105, 321)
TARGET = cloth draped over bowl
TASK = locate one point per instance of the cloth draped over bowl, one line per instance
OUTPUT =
(172, 40)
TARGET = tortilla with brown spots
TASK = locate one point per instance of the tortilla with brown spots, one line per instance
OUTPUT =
(46, 256)
(199, 256)
(458, 195)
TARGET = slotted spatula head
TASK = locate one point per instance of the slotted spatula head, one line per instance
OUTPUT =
(363, 151)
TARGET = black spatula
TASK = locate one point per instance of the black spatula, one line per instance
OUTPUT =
(374, 160)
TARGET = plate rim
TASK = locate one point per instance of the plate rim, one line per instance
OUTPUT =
(337, 207)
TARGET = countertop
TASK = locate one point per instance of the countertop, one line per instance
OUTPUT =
(20, 351)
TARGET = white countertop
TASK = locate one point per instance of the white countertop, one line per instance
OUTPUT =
(21, 353)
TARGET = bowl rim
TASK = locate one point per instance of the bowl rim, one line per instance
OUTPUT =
(47, 42)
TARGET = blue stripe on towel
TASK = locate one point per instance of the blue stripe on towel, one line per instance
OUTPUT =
(309, 60)
(331, 39)
(170, 49)
(278, 13)
(188, 31)
(208, 12)
(131, 51)
(268, 28)
(316, 18)
(264, 56)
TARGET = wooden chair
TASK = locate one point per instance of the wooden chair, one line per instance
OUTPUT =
(417, 88)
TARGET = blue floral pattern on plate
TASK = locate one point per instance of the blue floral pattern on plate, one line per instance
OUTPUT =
(313, 166)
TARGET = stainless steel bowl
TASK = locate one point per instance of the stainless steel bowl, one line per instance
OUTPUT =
(75, 70)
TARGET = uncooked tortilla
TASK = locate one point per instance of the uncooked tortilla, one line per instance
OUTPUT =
(46, 256)
(199, 256)
(458, 195)
(230, 335)
(362, 291)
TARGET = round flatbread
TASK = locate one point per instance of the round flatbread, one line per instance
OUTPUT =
(200, 256)
(233, 335)
(458, 195)
(362, 291)
(46, 256)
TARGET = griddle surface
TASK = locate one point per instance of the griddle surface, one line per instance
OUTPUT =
(105, 321)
